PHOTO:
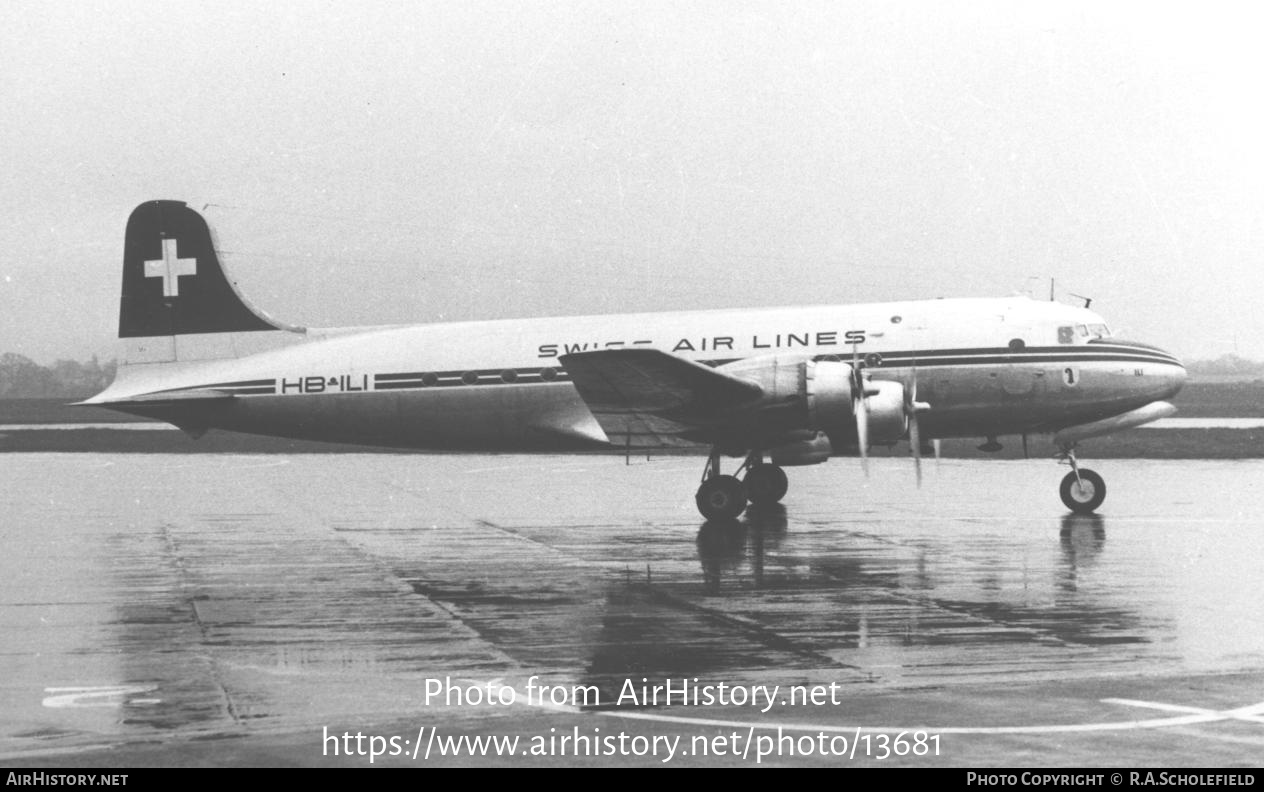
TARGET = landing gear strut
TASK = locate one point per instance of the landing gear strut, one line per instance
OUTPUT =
(1082, 489)
(722, 497)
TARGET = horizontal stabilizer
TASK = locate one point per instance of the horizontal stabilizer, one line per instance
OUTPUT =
(158, 398)
(581, 427)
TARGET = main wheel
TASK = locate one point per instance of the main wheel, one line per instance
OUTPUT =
(766, 484)
(1084, 495)
(721, 498)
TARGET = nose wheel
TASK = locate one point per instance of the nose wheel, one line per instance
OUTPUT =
(1082, 490)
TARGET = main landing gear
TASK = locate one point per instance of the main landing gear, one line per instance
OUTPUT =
(722, 497)
(1082, 489)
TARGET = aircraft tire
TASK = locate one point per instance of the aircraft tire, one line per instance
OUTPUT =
(1085, 499)
(721, 498)
(766, 484)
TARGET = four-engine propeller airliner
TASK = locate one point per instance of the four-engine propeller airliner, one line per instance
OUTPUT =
(773, 387)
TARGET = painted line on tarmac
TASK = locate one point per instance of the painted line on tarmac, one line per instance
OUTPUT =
(73, 427)
(1192, 716)
(1202, 716)
(1253, 713)
(96, 696)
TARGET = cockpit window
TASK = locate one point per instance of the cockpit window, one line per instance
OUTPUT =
(1069, 334)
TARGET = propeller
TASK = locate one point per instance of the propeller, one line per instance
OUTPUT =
(911, 408)
(860, 408)
(861, 390)
(915, 434)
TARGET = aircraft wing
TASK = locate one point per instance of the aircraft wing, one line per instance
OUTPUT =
(648, 395)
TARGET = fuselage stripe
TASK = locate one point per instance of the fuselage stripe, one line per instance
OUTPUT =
(1060, 360)
(243, 384)
(874, 362)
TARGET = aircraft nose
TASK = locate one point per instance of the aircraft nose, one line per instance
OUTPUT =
(1173, 377)
(1162, 377)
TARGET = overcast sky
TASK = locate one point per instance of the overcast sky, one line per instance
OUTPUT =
(367, 163)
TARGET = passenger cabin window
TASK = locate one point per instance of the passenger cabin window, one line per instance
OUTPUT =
(1066, 335)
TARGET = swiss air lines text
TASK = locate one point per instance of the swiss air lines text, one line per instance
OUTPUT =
(718, 343)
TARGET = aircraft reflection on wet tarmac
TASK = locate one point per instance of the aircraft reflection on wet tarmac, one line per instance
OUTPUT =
(724, 544)
(872, 599)
(187, 595)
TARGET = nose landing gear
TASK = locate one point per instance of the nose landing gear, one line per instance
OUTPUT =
(1082, 490)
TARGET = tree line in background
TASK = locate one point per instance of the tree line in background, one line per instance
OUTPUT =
(1226, 366)
(23, 378)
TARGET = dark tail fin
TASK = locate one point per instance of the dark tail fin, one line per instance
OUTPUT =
(173, 284)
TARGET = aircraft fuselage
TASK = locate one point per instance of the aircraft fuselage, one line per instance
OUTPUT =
(986, 367)
(777, 386)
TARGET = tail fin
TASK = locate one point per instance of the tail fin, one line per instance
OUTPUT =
(176, 296)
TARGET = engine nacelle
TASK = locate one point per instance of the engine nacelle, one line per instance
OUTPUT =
(888, 420)
(831, 403)
(805, 394)
(782, 377)
(808, 447)
(828, 391)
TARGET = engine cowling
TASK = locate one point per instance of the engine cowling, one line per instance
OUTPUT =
(805, 394)
(888, 419)
(832, 403)
(782, 377)
(828, 393)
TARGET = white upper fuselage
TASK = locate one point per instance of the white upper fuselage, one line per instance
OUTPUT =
(986, 366)
(695, 335)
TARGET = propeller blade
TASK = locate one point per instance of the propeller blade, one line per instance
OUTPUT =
(860, 408)
(915, 439)
(911, 408)
(862, 431)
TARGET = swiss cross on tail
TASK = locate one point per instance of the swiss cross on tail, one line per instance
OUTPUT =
(168, 243)
(170, 267)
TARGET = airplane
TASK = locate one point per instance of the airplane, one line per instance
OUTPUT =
(771, 387)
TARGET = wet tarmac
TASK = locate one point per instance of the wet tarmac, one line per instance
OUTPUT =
(223, 609)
